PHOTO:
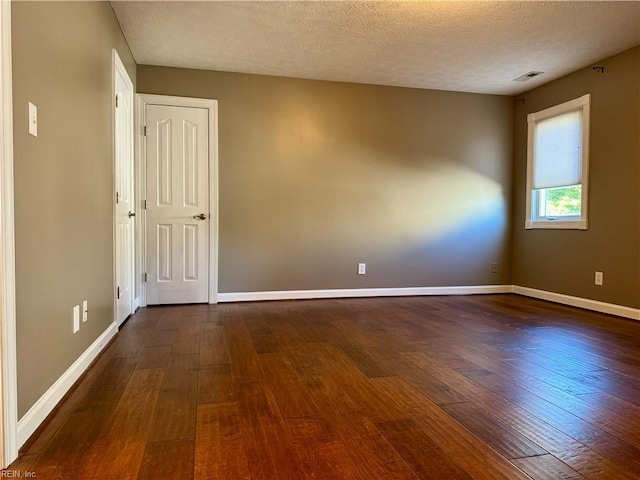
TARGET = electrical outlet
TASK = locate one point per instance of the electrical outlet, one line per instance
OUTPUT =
(599, 278)
(494, 267)
(85, 311)
(362, 268)
(76, 319)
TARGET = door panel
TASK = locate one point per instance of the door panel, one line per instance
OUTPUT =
(177, 194)
(164, 253)
(190, 252)
(190, 190)
(164, 159)
(124, 197)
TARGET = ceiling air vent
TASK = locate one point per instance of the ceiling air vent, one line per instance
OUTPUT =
(527, 76)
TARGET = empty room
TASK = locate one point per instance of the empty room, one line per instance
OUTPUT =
(320, 239)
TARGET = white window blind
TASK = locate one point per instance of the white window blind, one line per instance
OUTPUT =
(557, 151)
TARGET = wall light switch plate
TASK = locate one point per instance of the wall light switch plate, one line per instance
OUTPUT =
(85, 311)
(76, 318)
(33, 120)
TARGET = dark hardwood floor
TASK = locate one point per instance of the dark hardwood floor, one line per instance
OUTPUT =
(477, 387)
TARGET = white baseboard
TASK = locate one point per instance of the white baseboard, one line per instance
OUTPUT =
(586, 303)
(45, 404)
(360, 292)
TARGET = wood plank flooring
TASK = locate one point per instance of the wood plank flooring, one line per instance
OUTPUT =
(477, 387)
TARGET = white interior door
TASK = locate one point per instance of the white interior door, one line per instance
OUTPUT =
(124, 237)
(177, 216)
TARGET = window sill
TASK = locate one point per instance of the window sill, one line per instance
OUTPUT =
(556, 224)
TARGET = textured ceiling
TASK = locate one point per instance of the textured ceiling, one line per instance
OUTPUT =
(469, 46)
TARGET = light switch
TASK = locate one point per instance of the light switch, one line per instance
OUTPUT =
(76, 318)
(33, 119)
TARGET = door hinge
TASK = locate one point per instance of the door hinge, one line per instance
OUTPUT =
(145, 130)
(118, 293)
(146, 277)
(145, 204)
(117, 97)
(117, 197)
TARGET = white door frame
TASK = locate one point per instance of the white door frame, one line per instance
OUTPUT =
(143, 100)
(8, 374)
(119, 69)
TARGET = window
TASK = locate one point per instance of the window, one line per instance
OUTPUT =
(557, 166)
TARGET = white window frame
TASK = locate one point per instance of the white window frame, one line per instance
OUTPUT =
(577, 222)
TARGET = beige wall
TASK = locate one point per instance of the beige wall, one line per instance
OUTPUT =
(318, 176)
(564, 261)
(63, 182)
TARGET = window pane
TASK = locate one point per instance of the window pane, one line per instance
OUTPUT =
(557, 151)
(562, 201)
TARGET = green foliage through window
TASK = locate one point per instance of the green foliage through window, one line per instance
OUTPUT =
(563, 200)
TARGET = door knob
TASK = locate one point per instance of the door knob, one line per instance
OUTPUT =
(202, 216)
(131, 214)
